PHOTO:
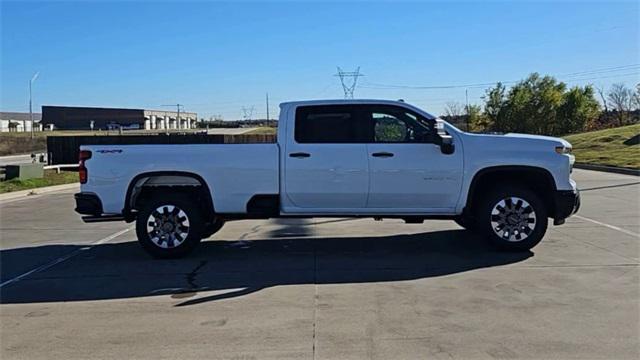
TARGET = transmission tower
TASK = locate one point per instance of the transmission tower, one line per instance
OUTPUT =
(349, 80)
(247, 112)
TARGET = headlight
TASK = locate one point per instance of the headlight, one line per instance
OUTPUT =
(564, 149)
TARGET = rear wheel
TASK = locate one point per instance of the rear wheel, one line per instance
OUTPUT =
(512, 218)
(169, 226)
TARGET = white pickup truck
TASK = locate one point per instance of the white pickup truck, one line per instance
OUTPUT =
(335, 158)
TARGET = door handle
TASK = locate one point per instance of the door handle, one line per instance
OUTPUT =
(382, 154)
(299, 155)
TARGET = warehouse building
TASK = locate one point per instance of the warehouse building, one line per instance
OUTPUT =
(91, 118)
(18, 121)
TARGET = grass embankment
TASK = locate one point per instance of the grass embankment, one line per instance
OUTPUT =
(21, 143)
(50, 178)
(613, 147)
(16, 143)
(263, 130)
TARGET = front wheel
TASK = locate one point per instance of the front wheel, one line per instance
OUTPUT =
(169, 226)
(512, 218)
(466, 222)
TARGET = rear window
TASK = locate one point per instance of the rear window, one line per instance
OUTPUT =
(327, 124)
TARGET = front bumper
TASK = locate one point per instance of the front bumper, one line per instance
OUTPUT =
(566, 203)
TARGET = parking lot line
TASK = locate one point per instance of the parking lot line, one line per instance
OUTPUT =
(64, 258)
(609, 226)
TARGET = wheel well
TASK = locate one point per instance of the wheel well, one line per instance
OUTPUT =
(146, 186)
(536, 179)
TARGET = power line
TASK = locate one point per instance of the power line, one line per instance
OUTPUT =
(603, 77)
(604, 70)
(324, 89)
(635, 68)
(178, 106)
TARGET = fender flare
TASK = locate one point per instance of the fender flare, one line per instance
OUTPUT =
(477, 177)
(132, 184)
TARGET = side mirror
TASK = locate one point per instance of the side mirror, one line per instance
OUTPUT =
(446, 145)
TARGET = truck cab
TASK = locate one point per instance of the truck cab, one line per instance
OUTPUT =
(341, 158)
(364, 158)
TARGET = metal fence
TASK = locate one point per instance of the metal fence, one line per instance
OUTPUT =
(64, 149)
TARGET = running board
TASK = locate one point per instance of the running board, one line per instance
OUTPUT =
(103, 218)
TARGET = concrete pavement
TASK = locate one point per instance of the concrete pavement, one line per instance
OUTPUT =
(323, 288)
(15, 159)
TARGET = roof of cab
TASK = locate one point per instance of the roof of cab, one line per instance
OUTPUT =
(354, 101)
(341, 102)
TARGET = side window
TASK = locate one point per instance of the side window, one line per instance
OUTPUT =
(396, 125)
(388, 128)
(327, 124)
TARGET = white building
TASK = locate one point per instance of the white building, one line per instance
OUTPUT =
(85, 118)
(18, 121)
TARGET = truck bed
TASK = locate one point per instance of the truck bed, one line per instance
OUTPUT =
(233, 172)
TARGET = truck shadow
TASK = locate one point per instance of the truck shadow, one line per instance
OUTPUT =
(226, 269)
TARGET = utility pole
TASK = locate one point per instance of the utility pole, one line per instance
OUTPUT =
(349, 80)
(35, 76)
(267, 107)
(466, 96)
(178, 106)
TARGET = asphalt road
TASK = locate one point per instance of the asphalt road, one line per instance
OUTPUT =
(323, 288)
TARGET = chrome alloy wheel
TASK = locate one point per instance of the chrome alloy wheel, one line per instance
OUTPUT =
(513, 219)
(168, 226)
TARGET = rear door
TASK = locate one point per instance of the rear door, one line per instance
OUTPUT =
(406, 172)
(325, 160)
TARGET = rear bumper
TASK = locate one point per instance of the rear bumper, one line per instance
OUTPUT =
(88, 204)
(566, 204)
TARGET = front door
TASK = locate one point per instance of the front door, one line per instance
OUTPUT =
(326, 165)
(407, 173)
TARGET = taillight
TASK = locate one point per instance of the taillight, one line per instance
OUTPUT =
(82, 170)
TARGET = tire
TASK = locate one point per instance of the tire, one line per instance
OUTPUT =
(466, 222)
(169, 226)
(512, 218)
(212, 227)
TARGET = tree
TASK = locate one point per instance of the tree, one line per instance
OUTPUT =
(579, 107)
(621, 100)
(454, 109)
(636, 98)
(532, 105)
(477, 120)
(538, 105)
(494, 103)
(604, 100)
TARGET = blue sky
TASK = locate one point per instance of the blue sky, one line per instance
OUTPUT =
(217, 57)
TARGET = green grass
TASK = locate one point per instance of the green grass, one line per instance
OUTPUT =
(50, 178)
(608, 147)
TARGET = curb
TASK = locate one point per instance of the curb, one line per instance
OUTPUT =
(26, 194)
(610, 169)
